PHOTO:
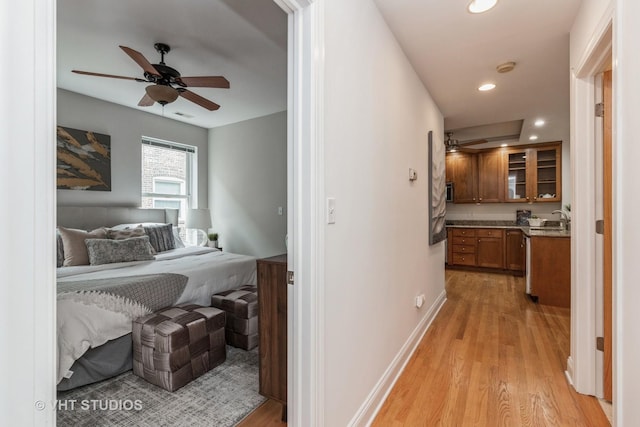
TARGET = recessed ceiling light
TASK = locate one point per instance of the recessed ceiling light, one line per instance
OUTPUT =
(539, 122)
(504, 145)
(533, 137)
(487, 86)
(479, 6)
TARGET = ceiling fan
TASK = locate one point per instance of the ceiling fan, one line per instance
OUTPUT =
(168, 84)
(453, 144)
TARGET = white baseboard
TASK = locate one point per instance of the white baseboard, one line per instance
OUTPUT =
(569, 372)
(369, 409)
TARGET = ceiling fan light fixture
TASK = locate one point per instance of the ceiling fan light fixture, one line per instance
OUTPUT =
(162, 94)
(480, 6)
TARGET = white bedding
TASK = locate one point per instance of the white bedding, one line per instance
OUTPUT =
(81, 326)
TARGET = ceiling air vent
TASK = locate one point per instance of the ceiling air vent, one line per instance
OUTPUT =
(186, 116)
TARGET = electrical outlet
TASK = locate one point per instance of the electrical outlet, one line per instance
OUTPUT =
(420, 300)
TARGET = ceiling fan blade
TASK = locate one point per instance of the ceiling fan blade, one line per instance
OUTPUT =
(88, 73)
(141, 60)
(204, 81)
(203, 102)
(146, 101)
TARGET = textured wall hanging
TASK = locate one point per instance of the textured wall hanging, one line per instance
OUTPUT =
(84, 160)
(437, 191)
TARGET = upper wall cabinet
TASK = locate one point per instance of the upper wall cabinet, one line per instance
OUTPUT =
(490, 177)
(476, 177)
(534, 174)
(524, 174)
(462, 171)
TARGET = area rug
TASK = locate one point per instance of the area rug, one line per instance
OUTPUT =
(221, 397)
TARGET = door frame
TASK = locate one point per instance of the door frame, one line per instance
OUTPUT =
(29, 39)
(305, 213)
(582, 367)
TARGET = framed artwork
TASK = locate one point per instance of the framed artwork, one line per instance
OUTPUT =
(437, 191)
(84, 160)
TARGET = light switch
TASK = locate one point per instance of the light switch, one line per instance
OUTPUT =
(331, 210)
(279, 210)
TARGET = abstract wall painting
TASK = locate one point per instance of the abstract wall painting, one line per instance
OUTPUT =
(437, 191)
(84, 160)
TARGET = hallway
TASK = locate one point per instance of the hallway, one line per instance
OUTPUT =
(491, 358)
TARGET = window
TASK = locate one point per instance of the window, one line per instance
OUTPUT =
(169, 175)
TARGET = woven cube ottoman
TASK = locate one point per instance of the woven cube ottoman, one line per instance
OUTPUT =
(178, 344)
(241, 306)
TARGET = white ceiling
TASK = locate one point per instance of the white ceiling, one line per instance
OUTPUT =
(243, 40)
(454, 52)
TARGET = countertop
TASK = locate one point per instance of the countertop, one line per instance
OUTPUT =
(552, 230)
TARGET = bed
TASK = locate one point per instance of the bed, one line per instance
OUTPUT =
(93, 330)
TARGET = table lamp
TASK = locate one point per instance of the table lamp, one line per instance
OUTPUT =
(199, 219)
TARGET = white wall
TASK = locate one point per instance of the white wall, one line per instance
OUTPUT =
(377, 115)
(126, 127)
(626, 293)
(499, 211)
(248, 183)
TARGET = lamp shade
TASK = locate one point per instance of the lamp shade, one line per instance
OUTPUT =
(162, 94)
(198, 218)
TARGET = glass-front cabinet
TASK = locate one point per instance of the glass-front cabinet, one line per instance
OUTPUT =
(547, 174)
(534, 174)
(517, 176)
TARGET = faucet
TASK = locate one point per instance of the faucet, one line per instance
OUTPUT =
(564, 218)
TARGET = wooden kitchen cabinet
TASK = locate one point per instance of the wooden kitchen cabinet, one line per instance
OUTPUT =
(464, 247)
(515, 250)
(462, 171)
(490, 248)
(551, 270)
(272, 328)
(490, 177)
(520, 174)
(534, 172)
(449, 258)
(476, 177)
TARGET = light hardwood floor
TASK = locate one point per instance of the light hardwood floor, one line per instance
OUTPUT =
(491, 358)
(269, 414)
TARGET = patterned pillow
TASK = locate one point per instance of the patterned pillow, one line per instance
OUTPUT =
(107, 251)
(75, 251)
(119, 234)
(161, 237)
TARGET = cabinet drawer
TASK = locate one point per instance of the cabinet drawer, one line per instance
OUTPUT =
(468, 241)
(464, 249)
(464, 259)
(489, 232)
(464, 232)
